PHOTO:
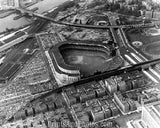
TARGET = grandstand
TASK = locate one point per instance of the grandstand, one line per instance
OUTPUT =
(74, 59)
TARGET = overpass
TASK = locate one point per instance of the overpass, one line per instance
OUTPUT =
(34, 14)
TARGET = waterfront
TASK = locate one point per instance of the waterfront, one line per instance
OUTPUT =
(44, 6)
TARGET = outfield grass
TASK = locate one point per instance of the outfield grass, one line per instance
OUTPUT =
(87, 61)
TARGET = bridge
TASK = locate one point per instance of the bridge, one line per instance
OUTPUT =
(34, 14)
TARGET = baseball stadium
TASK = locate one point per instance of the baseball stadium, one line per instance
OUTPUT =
(74, 59)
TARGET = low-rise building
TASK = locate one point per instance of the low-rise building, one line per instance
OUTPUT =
(9, 4)
(152, 14)
(151, 115)
(137, 124)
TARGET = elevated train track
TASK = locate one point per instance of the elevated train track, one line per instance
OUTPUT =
(140, 66)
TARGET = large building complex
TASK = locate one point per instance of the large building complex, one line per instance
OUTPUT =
(75, 59)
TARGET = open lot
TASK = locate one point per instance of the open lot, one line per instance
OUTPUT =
(15, 59)
(149, 37)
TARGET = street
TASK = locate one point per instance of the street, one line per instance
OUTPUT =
(129, 53)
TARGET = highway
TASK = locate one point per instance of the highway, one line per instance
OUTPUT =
(41, 16)
(129, 53)
(39, 23)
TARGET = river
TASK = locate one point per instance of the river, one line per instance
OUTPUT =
(43, 6)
